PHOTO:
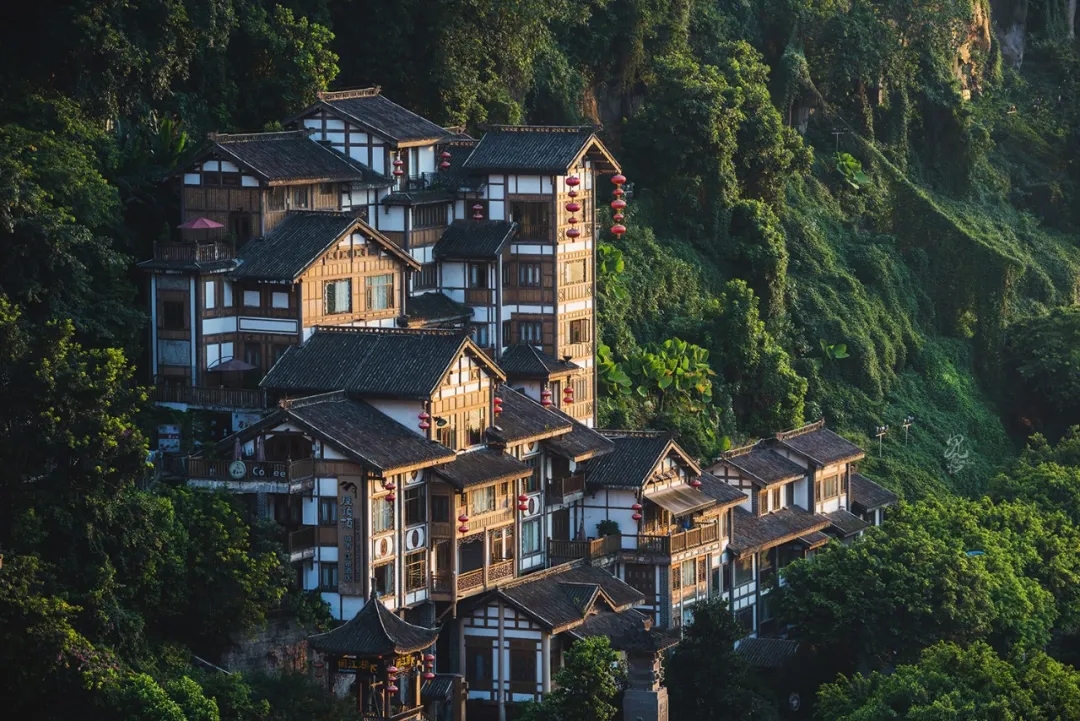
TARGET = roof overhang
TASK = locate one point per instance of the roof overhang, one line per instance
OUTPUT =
(681, 500)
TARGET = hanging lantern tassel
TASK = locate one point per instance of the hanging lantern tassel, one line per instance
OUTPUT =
(618, 205)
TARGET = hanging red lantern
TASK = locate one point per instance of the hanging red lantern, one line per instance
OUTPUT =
(392, 688)
(572, 220)
(618, 204)
(429, 658)
(463, 518)
(445, 156)
(573, 233)
(545, 395)
(618, 229)
(636, 507)
(428, 675)
(391, 497)
(618, 179)
(398, 162)
(618, 217)
(636, 516)
(478, 212)
(391, 670)
(523, 507)
(573, 181)
(424, 418)
(444, 165)
(695, 483)
(568, 394)
(573, 207)
(618, 192)
(572, 193)
(497, 402)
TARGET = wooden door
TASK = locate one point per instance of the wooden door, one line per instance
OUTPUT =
(560, 525)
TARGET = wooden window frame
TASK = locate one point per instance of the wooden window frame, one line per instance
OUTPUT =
(330, 292)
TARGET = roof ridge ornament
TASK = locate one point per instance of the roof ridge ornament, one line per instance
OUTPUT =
(331, 95)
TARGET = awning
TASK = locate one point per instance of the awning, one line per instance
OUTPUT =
(233, 364)
(681, 500)
(814, 539)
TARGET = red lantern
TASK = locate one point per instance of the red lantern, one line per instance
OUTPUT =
(523, 507)
(572, 220)
(392, 688)
(390, 670)
(618, 204)
(391, 497)
(695, 483)
(545, 395)
(618, 229)
(429, 658)
(389, 485)
(398, 162)
(618, 179)
(463, 518)
(478, 212)
(573, 233)
(573, 181)
(636, 507)
(428, 675)
(444, 164)
(568, 395)
(572, 193)
(522, 498)
(618, 192)
(497, 402)
(445, 155)
(424, 418)
(636, 516)
(573, 207)
(618, 217)
(463, 529)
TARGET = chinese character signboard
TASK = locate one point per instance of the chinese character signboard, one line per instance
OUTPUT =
(168, 439)
(350, 535)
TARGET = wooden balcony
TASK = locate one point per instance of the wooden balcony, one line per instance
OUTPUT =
(480, 579)
(576, 291)
(192, 253)
(228, 398)
(302, 543)
(486, 520)
(564, 490)
(298, 476)
(668, 544)
(478, 296)
(591, 550)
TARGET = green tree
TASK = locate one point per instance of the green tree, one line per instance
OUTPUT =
(586, 687)
(1043, 355)
(910, 584)
(950, 682)
(706, 678)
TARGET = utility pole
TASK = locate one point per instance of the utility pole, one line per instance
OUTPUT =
(880, 432)
(838, 132)
(907, 424)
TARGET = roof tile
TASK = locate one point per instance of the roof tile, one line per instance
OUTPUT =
(529, 149)
(867, 495)
(820, 444)
(523, 418)
(553, 596)
(756, 533)
(521, 360)
(375, 631)
(293, 156)
(383, 116)
(466, 239)
(484, 466)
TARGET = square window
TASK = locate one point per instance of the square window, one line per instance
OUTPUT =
(172, 315)
(416, 571)
(252, 298)
(523, 665)
(478, 276)
(380, 291)
(300, 197)
(415, 506)
(382, 515)
(479, 334)
(529, 275)
(384, 579)
(574, 272)
(530, 537)
(253, 354)
(337, 295)
(427, 277)
(280, 300)
(326, 188)
(440, 508)
(275, 198)
(529, 332)
(328, 511)
(579, 331)
(328, 576)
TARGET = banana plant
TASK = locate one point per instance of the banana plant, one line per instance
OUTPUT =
(833, 352)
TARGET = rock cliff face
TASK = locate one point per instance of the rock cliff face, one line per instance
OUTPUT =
(1010, 25)
(970, 61)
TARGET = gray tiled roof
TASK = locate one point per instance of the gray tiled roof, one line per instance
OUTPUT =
(438, 688)
(867, 495)
(484, 466)
(364, 433)
(375, 631)
(299, 240)
(631, 461)
(725, 493)
(628, 630)
(531, 149)
(767, 652)
(554, 596)
(386, 118)
(756, 533)
(371, 362)
(846, 523)
(819, 444)
(523, 418)
(763, 465)
(521, 360)
(580, 444)
(294, 156)
(467, 239)
(434, 307)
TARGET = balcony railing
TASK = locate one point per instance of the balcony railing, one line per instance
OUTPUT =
(594, 549)
(412, 714)
(426, 181)
(489, 519)
(480, 578)
(560, 489)
(192, 253)
(665, 545)
(531, 231)
(211, 397)
(299, 475)
(302, 543)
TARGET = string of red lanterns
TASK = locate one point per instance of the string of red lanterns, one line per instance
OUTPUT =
(497, 402)
(568, 395)
(398, 162)
(425, 420)
(573, 207)
(391, 676)
(545, 398)
(637, 511)
(463, 519)
(523, 502)
(478, 212)
(618, 205)
(445, 156)
(390, 486)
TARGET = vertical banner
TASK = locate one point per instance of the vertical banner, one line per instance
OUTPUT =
(350, 536)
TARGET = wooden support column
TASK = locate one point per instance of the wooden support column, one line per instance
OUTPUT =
(502, 657)
(545, 653)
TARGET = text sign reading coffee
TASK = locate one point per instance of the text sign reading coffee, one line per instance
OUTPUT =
(239, 470)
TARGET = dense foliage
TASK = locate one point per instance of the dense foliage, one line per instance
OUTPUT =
(586, 688)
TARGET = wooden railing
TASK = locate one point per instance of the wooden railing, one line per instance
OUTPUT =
(477, 296)
(192, 253)
(211, 397)
(470, 580)
(665, 545)
(440, 582)
(597, 548)
(560, 488)
(411, 714)
(575, 291)
(299, 475)
(302, 541)
(528, 231)
(493, 518)
(441, 530)
(500, 570)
